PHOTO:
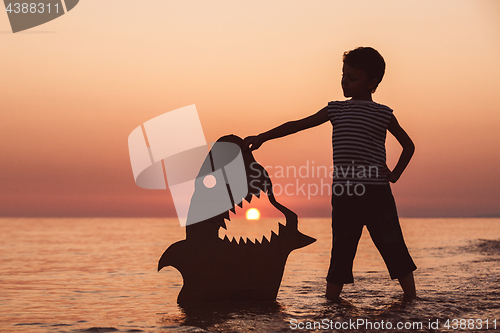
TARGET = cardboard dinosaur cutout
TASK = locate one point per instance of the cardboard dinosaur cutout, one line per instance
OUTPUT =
(216, 269)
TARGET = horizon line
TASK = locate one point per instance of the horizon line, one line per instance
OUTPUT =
(174, 217)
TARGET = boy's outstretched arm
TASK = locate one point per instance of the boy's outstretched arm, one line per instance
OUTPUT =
(255, 141)
(408, 149)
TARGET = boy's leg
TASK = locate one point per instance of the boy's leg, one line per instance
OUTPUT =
(386, 233)
(408, 284)
(333, 291)
(346, 232)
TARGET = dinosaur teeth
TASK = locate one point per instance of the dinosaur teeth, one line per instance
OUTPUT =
(281, 228)
(240, 240)
(268, 230)
(273, 230)
(273, 236)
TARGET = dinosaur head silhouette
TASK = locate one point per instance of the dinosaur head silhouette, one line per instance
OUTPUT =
(220, 269)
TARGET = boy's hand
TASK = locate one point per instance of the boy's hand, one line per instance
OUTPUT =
(252, 142)
(390, 176)
(255, 141)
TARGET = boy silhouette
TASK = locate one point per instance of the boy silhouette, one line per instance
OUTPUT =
(361, 193)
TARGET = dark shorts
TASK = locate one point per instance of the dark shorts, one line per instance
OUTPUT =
(377, 210)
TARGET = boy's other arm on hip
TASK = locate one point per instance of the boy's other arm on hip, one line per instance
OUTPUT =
(255, 141)
(408, 149)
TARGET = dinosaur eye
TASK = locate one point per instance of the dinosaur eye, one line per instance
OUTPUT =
(209, 181)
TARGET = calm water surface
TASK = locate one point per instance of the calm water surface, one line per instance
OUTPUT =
(99, 275)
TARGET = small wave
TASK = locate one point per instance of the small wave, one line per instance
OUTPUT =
(191, 329)
(484, 246)
(489, 246)
(100, 329)
(60, 325)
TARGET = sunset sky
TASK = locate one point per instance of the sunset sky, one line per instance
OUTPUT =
(73, 89)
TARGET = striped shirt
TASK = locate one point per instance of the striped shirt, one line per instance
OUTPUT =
(358, 139)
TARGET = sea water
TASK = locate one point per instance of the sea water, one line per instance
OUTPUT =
(100, 275)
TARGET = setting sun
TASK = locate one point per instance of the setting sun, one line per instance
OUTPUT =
(253, 214)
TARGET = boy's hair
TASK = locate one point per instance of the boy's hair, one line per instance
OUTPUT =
(367, 59)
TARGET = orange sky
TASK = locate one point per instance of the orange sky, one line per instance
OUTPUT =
(73, 89)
